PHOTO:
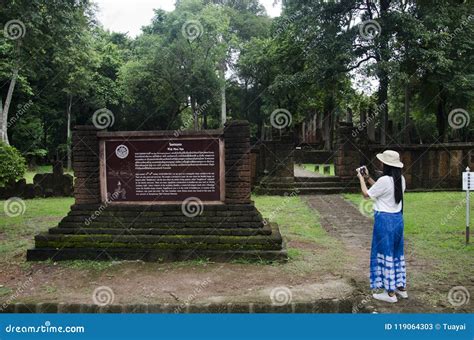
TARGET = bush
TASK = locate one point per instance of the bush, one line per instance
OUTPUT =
(12, 164)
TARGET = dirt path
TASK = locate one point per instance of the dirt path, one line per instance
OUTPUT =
(301, 172)
(344, 221)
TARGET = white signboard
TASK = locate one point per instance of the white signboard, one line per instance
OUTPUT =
(468, 181)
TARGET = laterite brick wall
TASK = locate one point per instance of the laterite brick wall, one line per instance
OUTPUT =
(237, 162)
(86, 165)
(426, 167)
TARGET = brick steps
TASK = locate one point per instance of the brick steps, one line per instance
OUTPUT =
(157, 241)
(162, 231)
(171, 217)
(128, 232)
(154, 224)
(311, 191)
(318, 179)
(151, 247)
(157, 214)
(325, 184)
(164, 219)
(153, 255)
(309, 186)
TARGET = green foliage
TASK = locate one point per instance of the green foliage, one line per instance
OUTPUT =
(12, 164)
(171, 72)
(28, 135)
(307, 61)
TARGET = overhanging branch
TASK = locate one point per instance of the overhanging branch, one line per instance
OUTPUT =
(360, 63)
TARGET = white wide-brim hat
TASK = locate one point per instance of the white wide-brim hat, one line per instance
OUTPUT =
(391, 158)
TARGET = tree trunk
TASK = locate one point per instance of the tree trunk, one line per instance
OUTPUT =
(407, 123)
(69, 152)
(6, 108)
(326, 130)
(383, 106)
(441, 118)
(223, 94)
(349, 115)
(204, 119)
(384, 54)
(195, 114)
(371, 124)
(331, 121)
(2, 123)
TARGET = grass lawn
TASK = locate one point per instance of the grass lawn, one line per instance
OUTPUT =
(40, 214)
(435, 225)
(319, 169)
(315, 258)
(300, 225)
(41, 169)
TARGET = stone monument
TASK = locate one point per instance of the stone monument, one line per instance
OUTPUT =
(161, 195)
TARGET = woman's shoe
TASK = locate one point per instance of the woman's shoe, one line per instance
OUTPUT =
(385, 297)
(402, 293)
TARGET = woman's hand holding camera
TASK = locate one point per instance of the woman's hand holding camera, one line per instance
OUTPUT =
(362, 172)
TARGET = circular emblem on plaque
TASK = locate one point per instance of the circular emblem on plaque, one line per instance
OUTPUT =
(121, 151)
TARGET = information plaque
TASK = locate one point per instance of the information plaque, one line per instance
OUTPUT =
(468, 181)
(162, 170)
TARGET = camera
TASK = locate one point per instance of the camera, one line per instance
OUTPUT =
(362, 170)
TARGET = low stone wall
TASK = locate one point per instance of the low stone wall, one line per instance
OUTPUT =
(317, 306)
(54, 184)
(432, 167)
(256, 169)
(277, 159)
(348, 154)
(427, 167)
(311, 156)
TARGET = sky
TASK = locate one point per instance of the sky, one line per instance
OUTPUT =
(130, 15)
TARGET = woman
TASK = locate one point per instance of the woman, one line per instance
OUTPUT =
(387, 261)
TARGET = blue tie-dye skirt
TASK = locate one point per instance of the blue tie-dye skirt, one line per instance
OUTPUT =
(387, 260)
